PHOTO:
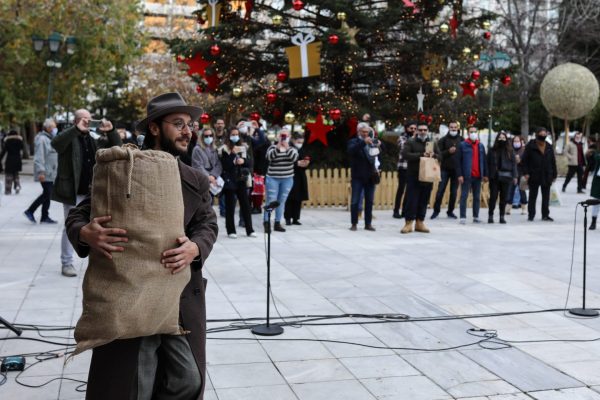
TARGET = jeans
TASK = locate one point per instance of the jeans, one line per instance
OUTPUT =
(516, 196)
(66, 250)
(498, 187)
(417, 198)
(447, 175)
(222, 204)
(473, 184)
(533, 193)
(43, 200)
(574, 169)
(401, 190)
(358, 188)
(278, 190)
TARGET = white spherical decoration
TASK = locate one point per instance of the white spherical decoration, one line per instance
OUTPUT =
(569, 91)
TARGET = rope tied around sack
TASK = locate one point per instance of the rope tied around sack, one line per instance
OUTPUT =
(129, 150)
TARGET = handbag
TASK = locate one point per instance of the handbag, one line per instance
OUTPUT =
(375, 178)
(429, 170)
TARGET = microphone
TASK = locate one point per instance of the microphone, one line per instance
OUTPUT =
(140, 140)
(590, 202)
(272, 206)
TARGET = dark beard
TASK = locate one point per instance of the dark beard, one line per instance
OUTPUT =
(169, 146)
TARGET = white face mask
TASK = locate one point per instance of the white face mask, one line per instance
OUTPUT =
(299, 145)
(453, 133)
(473, 137)
(234, 139)
(244, 130)
(208, 140)
(517, 145)
(54, 131)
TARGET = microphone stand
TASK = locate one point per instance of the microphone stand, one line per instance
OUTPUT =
(10, 326)
(268, 329)
(584, 312)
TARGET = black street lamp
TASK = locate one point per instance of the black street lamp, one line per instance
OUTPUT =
(493, 62)
(54, 60)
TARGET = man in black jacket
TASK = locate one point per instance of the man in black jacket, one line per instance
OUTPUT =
(448, 146)
(417, 192)
(539, 169)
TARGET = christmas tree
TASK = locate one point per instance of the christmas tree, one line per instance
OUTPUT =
(337, 59)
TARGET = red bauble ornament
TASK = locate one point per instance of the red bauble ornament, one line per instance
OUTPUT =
(335, 114)
(215, 50)
(506, 80)
(475, 75)
(277, 113)
(272, 97)
(429, 119)
(205, 118)
(334, 39)
(471, 119)
(282, 76)
(422, 117)
(487, 35)
(298, 5)
(255, 116)
(199, 89)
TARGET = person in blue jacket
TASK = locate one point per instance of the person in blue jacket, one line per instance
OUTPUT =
(471, 168)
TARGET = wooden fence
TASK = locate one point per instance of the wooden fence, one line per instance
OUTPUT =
(331, 188)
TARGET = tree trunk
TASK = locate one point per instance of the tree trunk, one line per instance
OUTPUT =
(524, 107)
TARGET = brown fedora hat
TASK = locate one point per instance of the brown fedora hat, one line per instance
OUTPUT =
(164, 104)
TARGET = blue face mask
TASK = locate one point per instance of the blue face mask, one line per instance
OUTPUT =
(54, 131)
(234, 139)
(208, 140)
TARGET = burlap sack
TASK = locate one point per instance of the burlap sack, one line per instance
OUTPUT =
(429, 170)
(133, 294)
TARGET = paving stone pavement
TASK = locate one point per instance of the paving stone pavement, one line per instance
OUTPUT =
(322, 268)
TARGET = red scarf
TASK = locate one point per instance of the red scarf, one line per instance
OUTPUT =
(475, 172)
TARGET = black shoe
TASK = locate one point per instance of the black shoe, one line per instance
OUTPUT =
(502, 220)
(581, 191)
(548, 219)
(451, 215)
(369, 228)
(530, 219)
(435, 215)
(256, 211)
(397, 215)
(593, 224)
(29, 215)
(490, 220)
(563, 189)
(353, 228)
(515, 207)
(48, 220)
(278, 227)
(288, 221)
(296, 222)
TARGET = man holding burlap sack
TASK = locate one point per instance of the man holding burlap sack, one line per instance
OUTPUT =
(153, 366)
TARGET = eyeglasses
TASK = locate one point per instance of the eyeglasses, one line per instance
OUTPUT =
(423, 130)
(208, 135)
(179, 125)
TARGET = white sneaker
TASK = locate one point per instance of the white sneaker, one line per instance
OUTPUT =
(463, 221)
(232, 236)
(252, 235)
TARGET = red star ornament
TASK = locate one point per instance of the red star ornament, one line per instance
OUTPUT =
(468, 88)
(196, 64)
(318, 130)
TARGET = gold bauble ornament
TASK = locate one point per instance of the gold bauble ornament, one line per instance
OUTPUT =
(289, 118)
(277, 20)
(348, 69)
(466, 51)
(453, 94)
(485, 84)
(435, 83)
(486, 25)
(444, 28)
(475, 57)
(237, 91)
(341, 16)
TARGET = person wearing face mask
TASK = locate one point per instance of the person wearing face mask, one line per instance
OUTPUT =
(254, 138)
(576, 162)
(502, 172)
(595, 191)
(539, 169)
(45, 165)
(517, 197)
(448, 146)
(409, 131)
(237, 169)
(471, 168)
(205, 156)
(76, 158)
(417, 192)
(299, 192)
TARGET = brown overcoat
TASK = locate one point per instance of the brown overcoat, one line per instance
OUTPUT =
(113, 369)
